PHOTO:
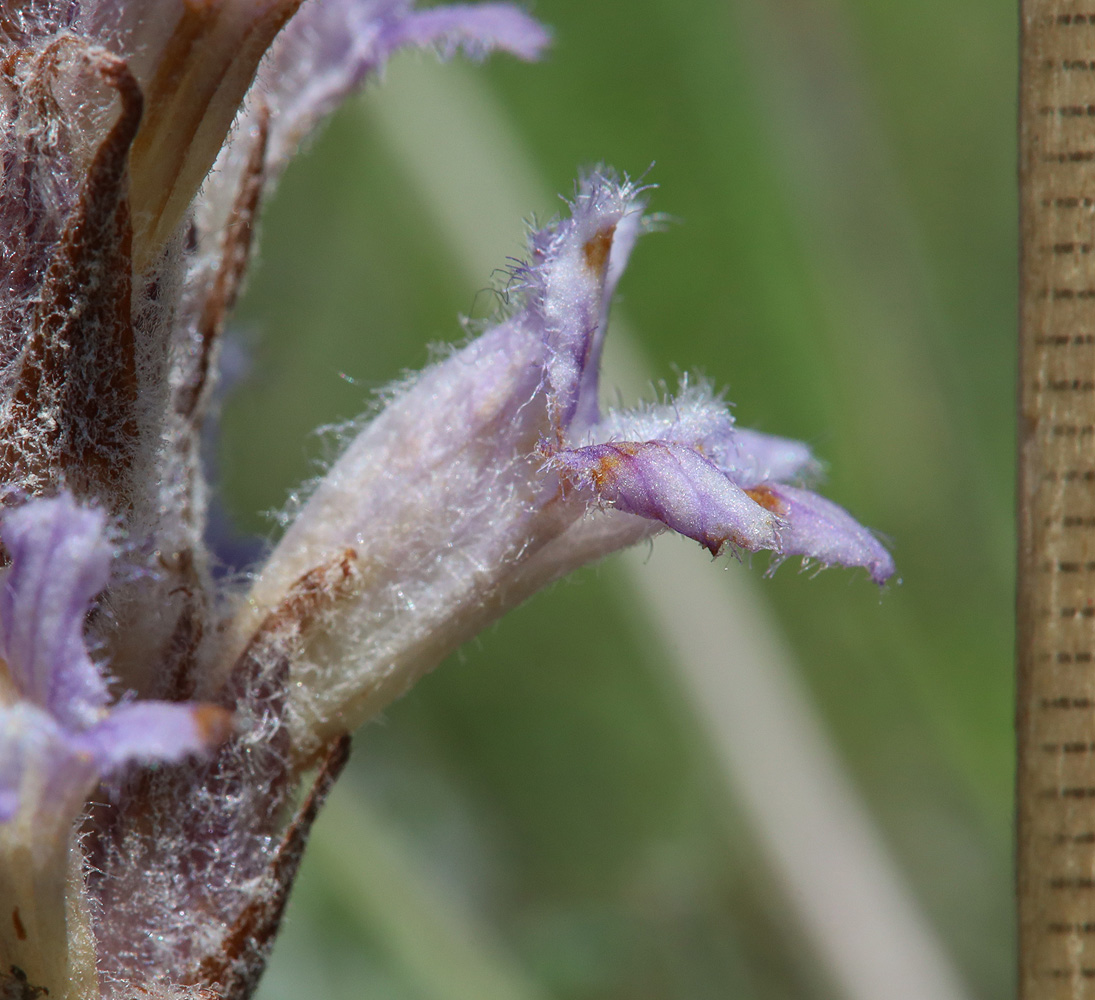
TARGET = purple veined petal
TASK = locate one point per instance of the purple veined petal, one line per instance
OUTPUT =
(476, 28)
(47, 770)
(10, 765)
(673, 484)
(60, 559)
(567, 284)
(331, 46)
(750, 457)
(628, 230)
(695, 416)
(699, 417)
(823, 531)
(44, 775)
(154, 730)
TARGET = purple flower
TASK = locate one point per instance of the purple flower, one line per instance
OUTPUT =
(55, 698)
(137, 144)
(495, 472)
(59, 734)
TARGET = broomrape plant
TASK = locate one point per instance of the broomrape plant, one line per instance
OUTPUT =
(156, 727)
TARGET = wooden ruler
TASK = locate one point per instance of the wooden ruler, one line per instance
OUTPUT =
(1056, 499)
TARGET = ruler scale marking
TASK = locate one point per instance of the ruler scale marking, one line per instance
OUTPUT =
(1056, 499)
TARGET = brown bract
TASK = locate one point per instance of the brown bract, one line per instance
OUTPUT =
(204, 826)
(206, 66)
(72, 416)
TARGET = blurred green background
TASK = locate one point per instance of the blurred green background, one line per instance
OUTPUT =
(545, 816)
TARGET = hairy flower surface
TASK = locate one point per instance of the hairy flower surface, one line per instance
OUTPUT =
(494, 472)
(165, 741)
(60, 561)
(58, 732)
